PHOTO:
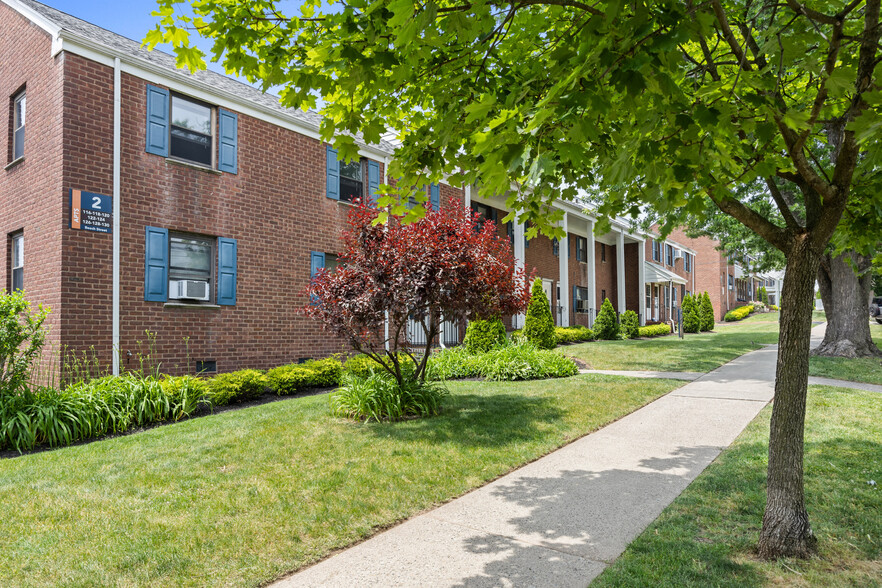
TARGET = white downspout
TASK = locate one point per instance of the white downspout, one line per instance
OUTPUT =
(117, 99)
(386, 319)
(468, 196)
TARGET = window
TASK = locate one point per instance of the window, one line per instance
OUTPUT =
(674, 296)
(603, 252)
(602, 296)
(580, 299)
(17, 249)
(19, 103)
(191, 131)
(648, 299)
(656, 251)
(555, 247)
(351, 181)
(687, 261)
(669, 254)
(188, 130)
(582, 249)
(189, 268)
(731, 282)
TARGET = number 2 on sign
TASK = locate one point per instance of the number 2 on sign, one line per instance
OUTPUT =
(96, 203)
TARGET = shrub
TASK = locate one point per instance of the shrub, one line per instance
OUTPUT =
(606, 327)
(738, 314)
(525, 361)
(691, 315)
(363, 366)
(539, 325)
(572, 334)
(21, 340)
(655, 330)
(454, 364)
(186, 393)
(380, 398)
(774, 307)
(630, 324)
(708, 319)
(483, 335)
(316, 373)
(236, 387)
(763, 295)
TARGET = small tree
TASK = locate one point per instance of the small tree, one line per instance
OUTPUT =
(482, 335)
(443, 267)
(539, 326)
(606, 327)
(708, 320)
(691, 315)
(21, 340)
(630, 324)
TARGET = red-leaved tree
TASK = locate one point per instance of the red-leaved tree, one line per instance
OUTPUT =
(446, 266)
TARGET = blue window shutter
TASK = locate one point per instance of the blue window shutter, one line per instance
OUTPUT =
(226, 271)
(228, 135)
(157, 120)
(435, 196)
(373, 181)
(575, 302)
(156, 265)
(494, 215)
(317, 261)
(509, 227)
(555, 247)
(333, 174)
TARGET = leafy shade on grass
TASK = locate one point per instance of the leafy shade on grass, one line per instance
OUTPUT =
(695, 353)
(707, 536)
(243, 497)
(864, 369)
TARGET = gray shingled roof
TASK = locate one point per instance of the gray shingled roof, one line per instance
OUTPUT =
(166, 61)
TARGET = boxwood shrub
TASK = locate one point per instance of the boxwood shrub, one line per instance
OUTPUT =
(655, 330)
(483, 335)
(738, 314)
(316, 373)
(575, 334)
(236, 387)
(630, 324)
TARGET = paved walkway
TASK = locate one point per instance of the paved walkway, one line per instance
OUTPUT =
(562, 519)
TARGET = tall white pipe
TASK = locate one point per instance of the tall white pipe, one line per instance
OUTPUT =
(641, 279)
(519, 254)
(468, 196)
(620, 271)
(117, 109)
(563, 252)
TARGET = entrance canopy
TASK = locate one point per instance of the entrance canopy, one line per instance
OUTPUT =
(656, 274)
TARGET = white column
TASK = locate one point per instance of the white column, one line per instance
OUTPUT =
(592, 281)
(641, 279)
(468, 196)
(620, 269)
(519, 263)
(563, 251)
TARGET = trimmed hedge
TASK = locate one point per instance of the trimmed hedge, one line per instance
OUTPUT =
(655, 330)
(236, 387)
(316, 373)
(483, 335)
(573, 334)
(738, 314)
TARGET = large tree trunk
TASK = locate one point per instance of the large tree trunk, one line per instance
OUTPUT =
(846, 298)
(786, 531)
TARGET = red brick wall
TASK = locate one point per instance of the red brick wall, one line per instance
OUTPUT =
(30, 191)
(275, 207)
(605, 275)
(633, 287)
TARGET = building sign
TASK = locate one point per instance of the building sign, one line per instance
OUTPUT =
(91, 212)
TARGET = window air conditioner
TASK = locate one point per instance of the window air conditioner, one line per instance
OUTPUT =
(188, 290)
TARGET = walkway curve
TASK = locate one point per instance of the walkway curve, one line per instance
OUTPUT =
(560, 520)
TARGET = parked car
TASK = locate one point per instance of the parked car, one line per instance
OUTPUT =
(876, 309)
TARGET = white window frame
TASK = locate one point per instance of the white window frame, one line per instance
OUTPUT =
(18, 122)
(16, 250)
(212, 263)
(212, 109)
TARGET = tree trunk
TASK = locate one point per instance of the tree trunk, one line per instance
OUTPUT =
(846, 301)
(786, 531)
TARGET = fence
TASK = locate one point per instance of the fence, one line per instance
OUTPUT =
(449, 335)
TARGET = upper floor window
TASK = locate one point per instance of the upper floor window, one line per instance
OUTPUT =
(17, 249)
(656, 251)
(731, 282)
(669, 254)
(186, 129)
(352, 181)
(687, 261)
(19, 110)
(191, 131)
(582, 249)
(603, 252)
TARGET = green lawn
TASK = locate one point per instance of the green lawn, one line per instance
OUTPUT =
(243, 497)
(856, 370)
(695, 353)
(707, 536)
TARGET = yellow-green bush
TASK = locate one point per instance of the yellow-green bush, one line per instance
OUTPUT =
(738, 314)
(655, 330)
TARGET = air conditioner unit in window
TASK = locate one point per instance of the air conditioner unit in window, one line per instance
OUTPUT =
(188, 290)
(678, 253)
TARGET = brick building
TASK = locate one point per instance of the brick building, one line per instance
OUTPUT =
(137, 197)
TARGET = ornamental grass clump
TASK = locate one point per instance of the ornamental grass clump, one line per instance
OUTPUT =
(539, 325)
(455, 363)
(606, 326)
(378, 397)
